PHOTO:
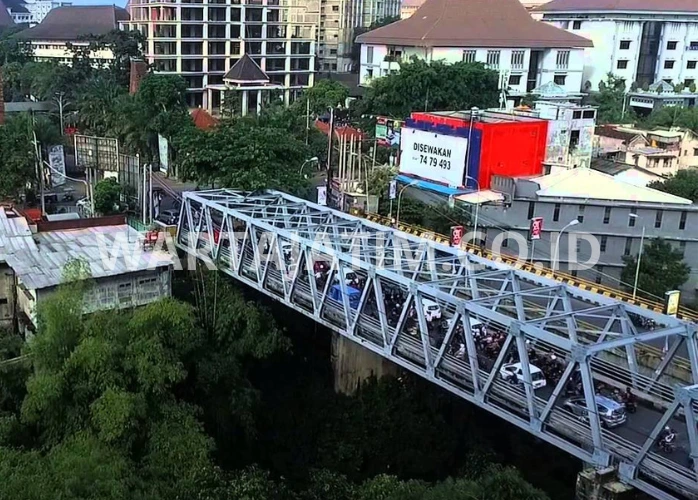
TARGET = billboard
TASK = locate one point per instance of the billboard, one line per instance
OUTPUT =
(164, 154)
(671, 302)
(536, 228)
(101, 153)
(456, 235)
(388, 132)
(56, 159)
(433, 156)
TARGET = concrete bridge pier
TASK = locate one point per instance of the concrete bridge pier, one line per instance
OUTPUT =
(354, 364)
(603, 484)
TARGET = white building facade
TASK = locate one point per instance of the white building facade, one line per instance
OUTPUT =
(524, 69)
(657, 41)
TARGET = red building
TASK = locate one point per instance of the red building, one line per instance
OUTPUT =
(501, 143)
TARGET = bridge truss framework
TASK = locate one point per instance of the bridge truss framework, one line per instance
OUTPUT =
(271, 241)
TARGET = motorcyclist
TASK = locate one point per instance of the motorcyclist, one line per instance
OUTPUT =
(667, 435)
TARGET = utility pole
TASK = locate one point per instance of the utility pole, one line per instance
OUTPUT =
(307, 120)
(329, 158)
(61, 104)
(150, 192)
(39, 167)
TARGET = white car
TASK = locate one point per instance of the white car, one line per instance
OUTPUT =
(432, 310)
(513, 372)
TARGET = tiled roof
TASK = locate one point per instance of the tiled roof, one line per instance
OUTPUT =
(202, 119)
(620, 5)
(473, 23)
(245, 70)
(5, 17)
(71, 23)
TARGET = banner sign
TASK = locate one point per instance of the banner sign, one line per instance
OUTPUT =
(56, 158)
(536, 228)
(164, 154)
(671, 302)
(393, 189)
(322, 195)
(433, 156)
(456, 235)
(388, 131)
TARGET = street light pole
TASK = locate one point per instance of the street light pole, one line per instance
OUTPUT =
(477, 204)
(399, 200)
(473, 111)
(309, 160)
(556, 262)
(639, 256)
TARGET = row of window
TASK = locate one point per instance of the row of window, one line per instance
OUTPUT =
(632, 218)
(668, 64)
(517, 58)
(670, 45)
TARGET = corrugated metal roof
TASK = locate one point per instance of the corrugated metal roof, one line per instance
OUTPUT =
(589, 184)
(619, 6)
(38, 259)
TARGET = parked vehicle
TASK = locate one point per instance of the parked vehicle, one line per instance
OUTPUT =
(354, 295)
(611, 413)
(513, 372)
(432, 310)
(169, 217)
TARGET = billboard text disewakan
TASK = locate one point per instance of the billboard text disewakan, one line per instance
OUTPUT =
(437, 157)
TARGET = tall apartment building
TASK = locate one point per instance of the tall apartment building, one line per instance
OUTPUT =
(642, 41)
(203, 39)
(339, 19)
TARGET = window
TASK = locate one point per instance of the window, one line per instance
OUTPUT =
(603, 243)
(622, 64)
(580, 215)
(628, 246)
(599, 275)
(688, 82)
(607, 215)
(333, 52)
(658, 219)
(577, 25)
(517, 59)
(631, 220)
(493, 58)
(556, 212)
(559, 79)
(514, 80)
(691, 64)
(369, 55)
(531, 209)
(576, 115)
(682, 221)
(671, 45)
(563, 59)
(469, 56)
(589, 114)
(668, 64)
(624, 44)
(335, 8)
(124, 292)
(695, 151)
(682, 248)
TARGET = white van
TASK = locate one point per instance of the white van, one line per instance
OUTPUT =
(432, 310)
(513, 372)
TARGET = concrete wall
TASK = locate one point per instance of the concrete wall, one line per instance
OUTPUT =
(354, 364)
(612, 236)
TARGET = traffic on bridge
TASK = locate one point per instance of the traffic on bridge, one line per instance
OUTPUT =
(561, 362)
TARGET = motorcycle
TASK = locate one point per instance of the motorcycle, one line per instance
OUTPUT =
(666, 444)
(630, 406)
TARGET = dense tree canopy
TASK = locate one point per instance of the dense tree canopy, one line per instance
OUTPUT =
(662, 269)
(684, 184)
(435, 86)
(610, 101)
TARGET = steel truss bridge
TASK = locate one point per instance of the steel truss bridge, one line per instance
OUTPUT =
(272, 242)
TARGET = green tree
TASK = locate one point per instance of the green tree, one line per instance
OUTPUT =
(242, 154)
(684, 184)
(323, 95)
(610, 100)
(674, 116)
(17, 153)
(107, 194)
(435, 86)
(661, 269)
